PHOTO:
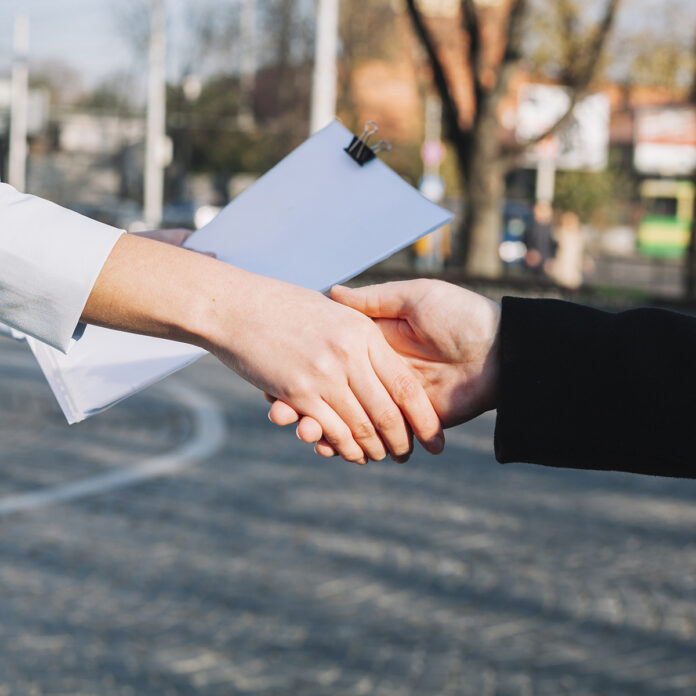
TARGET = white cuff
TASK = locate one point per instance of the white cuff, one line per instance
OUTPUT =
(50, 258)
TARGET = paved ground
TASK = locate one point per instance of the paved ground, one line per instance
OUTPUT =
(262, 570)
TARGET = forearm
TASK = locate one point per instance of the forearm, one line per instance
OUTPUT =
(160, 290)
(590, 389)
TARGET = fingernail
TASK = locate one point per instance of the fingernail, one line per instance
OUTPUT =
(401, 460)
(362, 462)
(436, 444)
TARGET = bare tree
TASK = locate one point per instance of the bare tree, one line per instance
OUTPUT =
(482, 160)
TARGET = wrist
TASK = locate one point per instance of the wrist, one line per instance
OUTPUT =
(212, 317)
(492, 368)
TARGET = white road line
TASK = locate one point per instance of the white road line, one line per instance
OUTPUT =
(208, 438)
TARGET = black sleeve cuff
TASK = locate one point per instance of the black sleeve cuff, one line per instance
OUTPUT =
(590, 389)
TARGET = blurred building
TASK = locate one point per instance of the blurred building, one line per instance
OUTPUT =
(38, 117)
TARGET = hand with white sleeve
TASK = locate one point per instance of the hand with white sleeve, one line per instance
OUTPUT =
(324, 359)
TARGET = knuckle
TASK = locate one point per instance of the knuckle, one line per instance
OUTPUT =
(298, 386)
(346, 346)
(390, 419)
(339, 436)
(404, 387)
(363, 430)
(324, 365)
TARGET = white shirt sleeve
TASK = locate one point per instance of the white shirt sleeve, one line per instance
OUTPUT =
(50, 258)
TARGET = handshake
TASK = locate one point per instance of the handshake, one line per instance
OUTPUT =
(367, 370)
(406, 358)
(363, 372)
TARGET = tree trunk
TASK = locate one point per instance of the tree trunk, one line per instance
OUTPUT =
(485, 191)
(482, 222)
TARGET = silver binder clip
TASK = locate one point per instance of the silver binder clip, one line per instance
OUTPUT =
(382, 146)
(359, 148)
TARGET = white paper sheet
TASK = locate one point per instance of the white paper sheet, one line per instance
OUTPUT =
(315, 219)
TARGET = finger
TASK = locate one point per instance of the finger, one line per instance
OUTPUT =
(399, 333)
(386, 300)
(269, 397)
(324, 449)
(176, 236)
(337, 433)
(408, 394)
(309, 431)
(282, 414)
(384, 414)
(349, 404)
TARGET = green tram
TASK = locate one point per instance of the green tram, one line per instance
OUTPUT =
(665, 230)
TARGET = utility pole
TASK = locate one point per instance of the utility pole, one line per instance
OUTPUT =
(247, 65)
(155, 138)
(19, 98)
(430, 250)
(325, 74)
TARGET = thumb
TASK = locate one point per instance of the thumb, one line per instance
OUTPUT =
(388, 300)
(399, 335)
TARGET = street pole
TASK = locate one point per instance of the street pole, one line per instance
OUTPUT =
(546, 180)
(155, 138)
(325, 73)
(19, 98)
(432, 186)
(247, 65)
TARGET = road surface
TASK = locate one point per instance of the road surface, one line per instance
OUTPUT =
(180, 544)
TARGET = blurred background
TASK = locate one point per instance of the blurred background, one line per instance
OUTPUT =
(562, 133)
(142, 114)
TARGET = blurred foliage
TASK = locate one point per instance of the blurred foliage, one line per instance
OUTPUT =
(559, 34)
(368, 31)
(61, 80)
(590, 194)
(207, 134)
(405, 159)
(657, 52)
(208, 138)
(583, 193)
(113, 95)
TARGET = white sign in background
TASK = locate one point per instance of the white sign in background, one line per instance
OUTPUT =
(583, 143)
(665, 140)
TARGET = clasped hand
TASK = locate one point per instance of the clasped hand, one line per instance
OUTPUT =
(445, 334)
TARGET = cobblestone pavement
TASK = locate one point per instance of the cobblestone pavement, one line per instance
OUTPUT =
(264, 570)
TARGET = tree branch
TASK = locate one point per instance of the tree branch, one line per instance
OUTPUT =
(470, 23)
(449, 105)
(693, 78)
(514, 40)
(514, 43)
(582, 84)
(567, 14)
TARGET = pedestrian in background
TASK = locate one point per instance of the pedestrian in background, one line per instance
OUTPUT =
(567, 265)
(539, 239)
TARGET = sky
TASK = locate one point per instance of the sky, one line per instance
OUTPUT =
(84, 34)
(87, 35)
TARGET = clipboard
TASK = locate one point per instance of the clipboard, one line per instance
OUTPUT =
(325, 213)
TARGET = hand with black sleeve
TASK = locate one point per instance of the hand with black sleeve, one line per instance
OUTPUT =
(573, 386)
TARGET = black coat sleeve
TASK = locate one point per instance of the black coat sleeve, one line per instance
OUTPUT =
(595, 390)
